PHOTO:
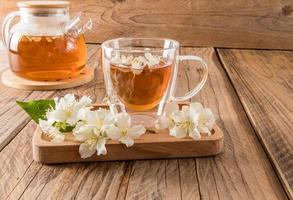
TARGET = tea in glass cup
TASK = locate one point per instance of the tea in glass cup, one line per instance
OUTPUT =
(140, 74)
(141, 89)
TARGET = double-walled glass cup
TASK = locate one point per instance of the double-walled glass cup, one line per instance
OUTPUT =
(140, 75)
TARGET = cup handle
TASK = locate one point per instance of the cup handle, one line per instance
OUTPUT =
(195, 90)
(6, 26)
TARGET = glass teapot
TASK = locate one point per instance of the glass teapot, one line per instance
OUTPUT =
(45, 45)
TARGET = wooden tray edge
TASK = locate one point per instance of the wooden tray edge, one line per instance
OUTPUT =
(144, 148)
(118, 151)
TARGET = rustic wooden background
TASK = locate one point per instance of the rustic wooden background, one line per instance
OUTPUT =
(263, 24)
(256, 163)
(250, 91)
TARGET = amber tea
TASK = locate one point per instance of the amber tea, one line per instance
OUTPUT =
(141, 89)
(47, 58)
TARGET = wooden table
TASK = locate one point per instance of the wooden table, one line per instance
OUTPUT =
(249, 91)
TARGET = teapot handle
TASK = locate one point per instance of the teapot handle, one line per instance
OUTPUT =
(6, 26)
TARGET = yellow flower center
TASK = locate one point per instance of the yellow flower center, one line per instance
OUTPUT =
(100, 122)
(69, 112)
(124, 133)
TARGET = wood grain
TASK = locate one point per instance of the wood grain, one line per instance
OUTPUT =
(242, 172)
(238, 24)
(149, 146)
(264, 83)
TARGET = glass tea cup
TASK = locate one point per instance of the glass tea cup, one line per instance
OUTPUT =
(140, 75)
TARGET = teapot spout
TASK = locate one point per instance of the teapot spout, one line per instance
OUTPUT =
(78, 26)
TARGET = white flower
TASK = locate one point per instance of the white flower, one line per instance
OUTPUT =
(67, 108)
(165, 121)
(92, 131)
(93, 138)
(126, 60)
(196, 107)
(123, 132)
(192, 120)
(151, 59)
(65, 112)
(122, 60)
(47, 127)
(185, 123)
(206, 121)
(97, 118)
(137, 65)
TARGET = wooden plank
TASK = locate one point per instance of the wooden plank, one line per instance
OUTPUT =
(241, 172)
(263, 81)
(238, 24)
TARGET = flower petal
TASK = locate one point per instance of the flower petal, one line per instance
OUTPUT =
(178, 132)
(82, 113)
(179, 116)
(210, 118)
(45, 125)
(196, 106)
(109, 119)
(86, 150)
(101, 113)
(84, 133)
(162, 122)
(206, 121)
(123, 121)
(72, 119)
(84, 101)
(113, 132)
(136, 71)
(195, 134)
(204, 130)
(59, 115)
(101, 148)
(55, 135)
(152, 59)
(136, 131)
(127, 141)
(193, 116)
(170, 108)
(67, 101)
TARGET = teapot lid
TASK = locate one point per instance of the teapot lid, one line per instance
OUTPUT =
(43, 4)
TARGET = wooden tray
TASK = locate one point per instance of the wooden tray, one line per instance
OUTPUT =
(149, 146)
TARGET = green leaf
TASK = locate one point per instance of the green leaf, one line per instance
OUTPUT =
(63, 126)
(36, 109)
